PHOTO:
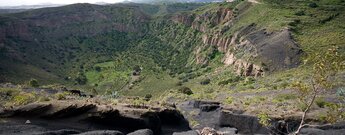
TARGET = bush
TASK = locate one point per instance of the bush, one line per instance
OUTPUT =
(230, 80)
(264, 119)
(60, 96)
(186, 90)
(320, 102)
(205, 81)
(98, 69)
(94, 92)
(81, 78)
(33, 83)
(300, 13)
(313, 5)
(148, 97)
(23, 99)
(229, 100)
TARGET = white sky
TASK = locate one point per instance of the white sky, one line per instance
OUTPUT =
(36, 2)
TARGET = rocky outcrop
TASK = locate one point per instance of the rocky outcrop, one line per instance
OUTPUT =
(251, 51)
(206, 113)
(98, 117)
(244, 123)
(206, 106)
(142, 132)
(202, 22)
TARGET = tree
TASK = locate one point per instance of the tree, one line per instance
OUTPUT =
(33, 83)
(325, 66)
(81, 78)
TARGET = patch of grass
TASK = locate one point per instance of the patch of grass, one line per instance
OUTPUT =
(61, 96)
(23, 99)
(320, 102)
(229, 100)
(284, 97)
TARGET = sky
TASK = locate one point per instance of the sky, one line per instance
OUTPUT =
(37, 2)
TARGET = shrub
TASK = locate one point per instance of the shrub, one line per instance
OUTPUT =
(341, 92)
(94, 92)
(249, 80)
(33, 83)
(313, 5)
(23, 99)
(81, 78)
(205, 81)
(148, 97)
(179, 83)
(186, 90)
(43, 99)
(230, 80)
(300, 13)
(229, 100)
(98, 69)
(264, 119)
(60, 96)
(320, 102)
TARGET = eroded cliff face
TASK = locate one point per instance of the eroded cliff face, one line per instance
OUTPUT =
(251, 51)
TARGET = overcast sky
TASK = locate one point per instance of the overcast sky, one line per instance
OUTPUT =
(35, 2)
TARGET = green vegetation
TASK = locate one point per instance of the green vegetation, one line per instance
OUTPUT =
(33, 83)
(264, 119)
(97, 51)
(325, 66)
(186, 90)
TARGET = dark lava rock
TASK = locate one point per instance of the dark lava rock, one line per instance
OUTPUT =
(34, 109)
(70, 111)
(172, 117)
(11, 129)
(192, 132)
(59, 132)
(102, 132)
(204, 118)
(315, 131)
(198, 103)
(244, 123)
(208, 108)
(142, 132)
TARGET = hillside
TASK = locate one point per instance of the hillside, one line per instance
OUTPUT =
(66, 42)
(245, 55)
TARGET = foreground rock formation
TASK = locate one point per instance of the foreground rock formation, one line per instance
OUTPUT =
(67, 117)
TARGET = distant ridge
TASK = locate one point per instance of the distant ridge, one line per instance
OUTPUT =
(31, 6)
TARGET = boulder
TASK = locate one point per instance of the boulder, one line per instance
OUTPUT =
(209, 107)
(245, 124)
(142, 132)
(198, 103)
